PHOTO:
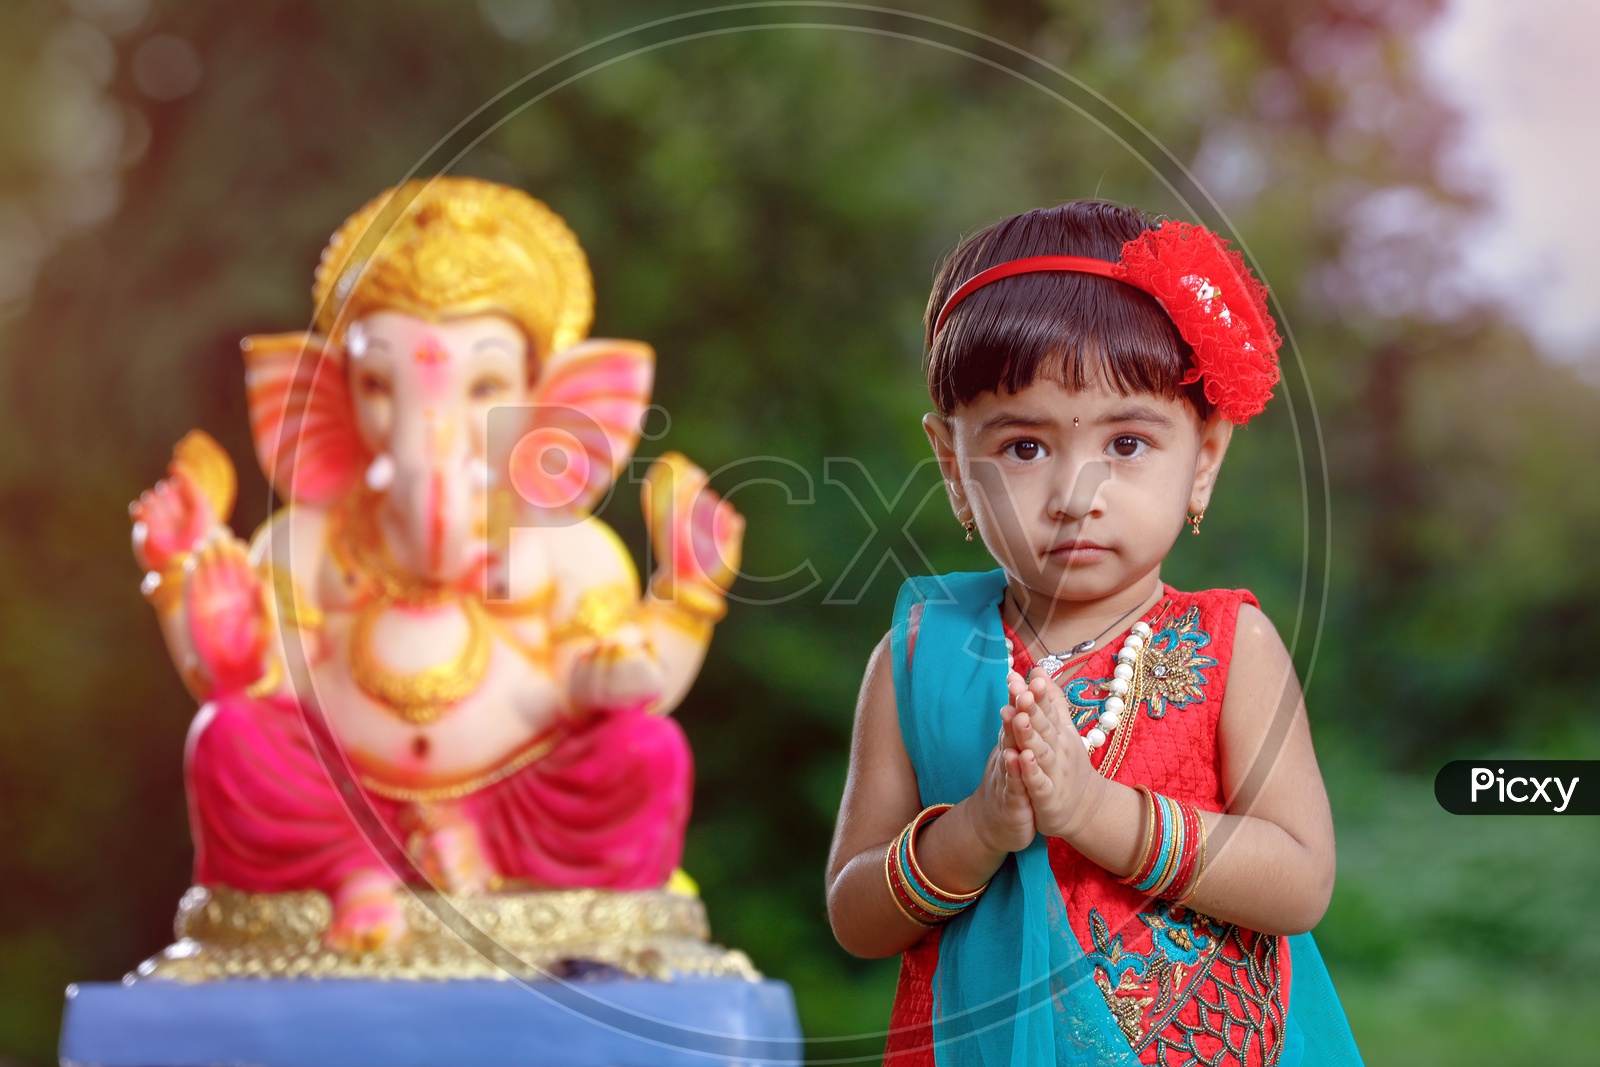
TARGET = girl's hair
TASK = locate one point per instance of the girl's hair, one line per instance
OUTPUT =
(1071, 327)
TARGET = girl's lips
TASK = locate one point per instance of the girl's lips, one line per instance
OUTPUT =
(1079, 551)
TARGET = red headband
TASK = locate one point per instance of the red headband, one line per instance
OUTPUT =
(1211, 296)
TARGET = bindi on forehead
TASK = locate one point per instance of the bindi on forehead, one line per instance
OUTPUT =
(430, 349)
(433, 362)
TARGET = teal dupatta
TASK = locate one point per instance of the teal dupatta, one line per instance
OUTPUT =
(1012, 985)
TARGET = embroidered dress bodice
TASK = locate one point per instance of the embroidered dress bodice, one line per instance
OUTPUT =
(1183, 988)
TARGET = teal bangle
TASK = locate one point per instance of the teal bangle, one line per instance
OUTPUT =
(1180, 836)
(1164, 850)
(941, 908)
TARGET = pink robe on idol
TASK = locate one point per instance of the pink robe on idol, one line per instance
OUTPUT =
(606, 807)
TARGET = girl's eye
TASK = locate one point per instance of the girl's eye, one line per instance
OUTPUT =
(1025, 450)
(374, 386)
(1127, 446)
(489, 387)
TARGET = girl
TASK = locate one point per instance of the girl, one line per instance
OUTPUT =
(1083, 804)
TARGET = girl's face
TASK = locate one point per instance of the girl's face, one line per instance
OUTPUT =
(1078, 494)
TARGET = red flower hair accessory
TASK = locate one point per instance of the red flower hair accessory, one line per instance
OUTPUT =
(1219, 307)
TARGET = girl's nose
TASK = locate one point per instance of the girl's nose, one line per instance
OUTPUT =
(1076, 490)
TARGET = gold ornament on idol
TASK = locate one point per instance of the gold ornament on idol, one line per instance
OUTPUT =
(458, 246)
(424, 696)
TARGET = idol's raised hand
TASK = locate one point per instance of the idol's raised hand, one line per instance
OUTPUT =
(1053, 763)
(228, 622)
(169, 519)
(697, 536)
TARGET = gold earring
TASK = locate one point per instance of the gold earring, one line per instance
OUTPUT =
(1195, 520)
(969, 526)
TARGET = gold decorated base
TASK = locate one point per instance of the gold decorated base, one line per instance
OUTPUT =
(223, 933)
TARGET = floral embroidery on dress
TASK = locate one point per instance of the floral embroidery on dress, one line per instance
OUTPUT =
(1171, 672)
(1141, 985)
(1228, 973)
(1172, 669)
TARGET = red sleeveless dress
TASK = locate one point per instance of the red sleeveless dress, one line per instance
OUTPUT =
(1183, 987)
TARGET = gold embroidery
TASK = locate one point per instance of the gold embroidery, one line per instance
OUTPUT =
(1173, 673)
(1127, 1010)
(435, 794)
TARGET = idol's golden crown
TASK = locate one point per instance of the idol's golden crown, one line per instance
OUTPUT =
(458, 246)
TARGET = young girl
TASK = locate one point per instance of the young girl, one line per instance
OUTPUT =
(1082, 803)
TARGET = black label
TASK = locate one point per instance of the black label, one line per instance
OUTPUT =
(1519, 787)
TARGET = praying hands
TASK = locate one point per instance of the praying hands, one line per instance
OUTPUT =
(1042, 748)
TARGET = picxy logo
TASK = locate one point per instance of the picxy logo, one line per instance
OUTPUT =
(1518, 787)
(1515, 789)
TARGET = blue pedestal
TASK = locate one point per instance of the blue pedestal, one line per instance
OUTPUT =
(692, 1022)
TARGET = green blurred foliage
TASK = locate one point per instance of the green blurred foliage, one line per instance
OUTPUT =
(766, 205)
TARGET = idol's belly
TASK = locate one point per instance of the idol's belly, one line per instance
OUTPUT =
(392, 728)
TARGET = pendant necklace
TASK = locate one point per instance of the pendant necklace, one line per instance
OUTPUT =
(1054, 661)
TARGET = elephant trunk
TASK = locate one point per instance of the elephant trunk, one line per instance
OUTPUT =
(434, 498)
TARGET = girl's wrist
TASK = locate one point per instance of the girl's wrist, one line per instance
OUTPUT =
(1085, 813)
(956, 852)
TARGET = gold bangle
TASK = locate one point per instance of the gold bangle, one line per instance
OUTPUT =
(888, 880)
(164, 588)
(939, 910)
(1200, 864)
(704, 602)
(1169, 869)
(665, 613)
(294, 607)
(600, 612)
(1149, 834)
(271, 677)
(910, 834)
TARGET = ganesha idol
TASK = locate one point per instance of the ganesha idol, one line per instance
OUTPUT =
(433, 668)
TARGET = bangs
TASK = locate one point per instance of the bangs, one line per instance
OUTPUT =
(1076, 329)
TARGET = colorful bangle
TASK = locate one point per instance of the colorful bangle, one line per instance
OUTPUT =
(1200, 864)
(1149, 834)
(915, 906)
(1173, 854)
(1162, 854)
(1183, 847)
(1152, 836)
(894, 888)
(942, 896)
(1184, 870)
(918, 898)
(926, 897)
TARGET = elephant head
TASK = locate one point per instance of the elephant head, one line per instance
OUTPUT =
(403, 411)
(437, 303)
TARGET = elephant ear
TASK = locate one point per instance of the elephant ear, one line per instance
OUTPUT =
(301, 417)
(584, 424)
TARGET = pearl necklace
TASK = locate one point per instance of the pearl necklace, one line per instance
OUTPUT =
(1121, 686)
